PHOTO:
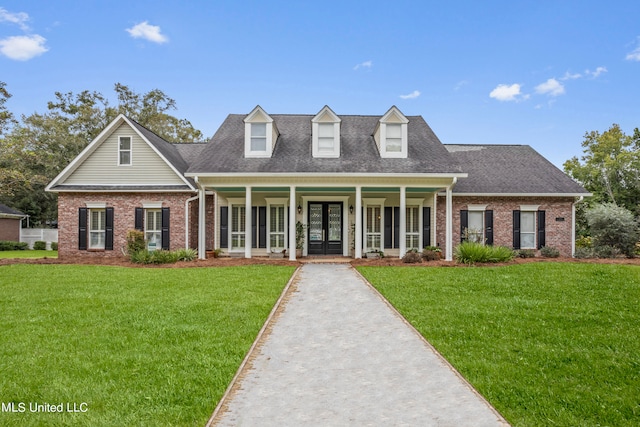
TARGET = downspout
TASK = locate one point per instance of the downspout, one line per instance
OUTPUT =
(186, 220)
(573, 225)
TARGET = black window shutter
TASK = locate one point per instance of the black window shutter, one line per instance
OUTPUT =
(83, 214)
(108, 235)
(426, 226)
(388, 227)
(224, 226)
(541, 229)
(165, 229)
(488, 227)
(464, 223)
(262, 224)
(254, 226)
(396, 226)
(516, 229)
(139, 219)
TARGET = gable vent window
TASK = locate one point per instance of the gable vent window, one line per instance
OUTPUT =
(124, 151)
(258, 137)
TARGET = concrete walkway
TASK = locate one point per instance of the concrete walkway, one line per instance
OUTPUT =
(336, 354)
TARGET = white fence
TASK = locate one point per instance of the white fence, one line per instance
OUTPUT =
(31, 235)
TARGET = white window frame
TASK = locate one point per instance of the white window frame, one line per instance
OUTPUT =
(237, 230)
(324, 119)
(259, 116)
(373, 203)
(153, 232)
(392, 117)
(278, 202)
(121, 151)
(479, 235)
(100, 232)
(413, 236)
(532, 233)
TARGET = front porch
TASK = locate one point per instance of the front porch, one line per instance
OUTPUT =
(325, 217)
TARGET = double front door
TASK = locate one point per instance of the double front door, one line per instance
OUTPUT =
(325, 228)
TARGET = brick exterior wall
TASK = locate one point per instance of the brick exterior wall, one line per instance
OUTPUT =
(557, 232)
(124, 205)
(10, 229)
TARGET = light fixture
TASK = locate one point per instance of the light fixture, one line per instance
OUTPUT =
(351, 209)
(299, 209)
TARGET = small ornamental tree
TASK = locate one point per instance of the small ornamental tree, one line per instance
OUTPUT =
(613, 226)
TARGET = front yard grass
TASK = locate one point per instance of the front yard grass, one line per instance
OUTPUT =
(138, 346)
(28, 254)
(551, 344)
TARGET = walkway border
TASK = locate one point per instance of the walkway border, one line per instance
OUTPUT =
(256, 343)
(435, 351)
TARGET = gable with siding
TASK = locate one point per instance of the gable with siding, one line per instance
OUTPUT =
(101, 167)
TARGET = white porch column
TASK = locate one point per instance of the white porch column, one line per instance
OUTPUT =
(449, 226)
(403, 221)
(202, 225)
(434, 216)
(292, 223)
(358, 227)
(247, 222)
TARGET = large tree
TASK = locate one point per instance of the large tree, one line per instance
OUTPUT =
(37, 148)
(610, 167)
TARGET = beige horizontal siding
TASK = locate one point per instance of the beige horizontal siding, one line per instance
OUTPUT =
(101, 167)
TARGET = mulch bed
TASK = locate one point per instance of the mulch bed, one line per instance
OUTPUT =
(233, 261)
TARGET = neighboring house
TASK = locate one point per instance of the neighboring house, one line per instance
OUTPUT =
(355, 183)
(10, 223)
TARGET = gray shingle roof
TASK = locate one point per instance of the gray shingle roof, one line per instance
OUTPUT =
(359, 154)
(509, 169)
(6, 210)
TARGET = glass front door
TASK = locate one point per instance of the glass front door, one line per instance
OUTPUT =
(325, 228)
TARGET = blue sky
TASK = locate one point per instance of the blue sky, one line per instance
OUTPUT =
(540, 72)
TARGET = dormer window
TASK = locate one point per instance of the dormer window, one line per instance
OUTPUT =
(258, 137)
(391, 134)
(325, 129)
(260, 134)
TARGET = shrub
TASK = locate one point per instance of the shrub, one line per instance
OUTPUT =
(140, 257)
(606, 251)
(584, 242)
(549, 252)
(39, 245)
(164, 257)
(431, 253)
(613, 226)
(526, 253)
(471, 252)
(6, 245)
(412, 257)
(135, 241)
(54, 246)
(584, 253)
(186, 254)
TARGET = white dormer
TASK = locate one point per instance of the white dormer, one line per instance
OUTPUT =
(260, 134)
(325, 134)
(391, 134)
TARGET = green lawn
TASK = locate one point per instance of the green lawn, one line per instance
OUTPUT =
(138, 346)
(28, 254)
(551, 344)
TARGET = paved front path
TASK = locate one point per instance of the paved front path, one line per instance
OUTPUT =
(337, 354)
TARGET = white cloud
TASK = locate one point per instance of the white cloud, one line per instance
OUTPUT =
(19, 18)
(412, 95)
(460, 84)
(569, 76)
(365, 64)
(634, 55)
(148, 32)
(596, 73)
(551, 87)
(23, 48)
(507, 93)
